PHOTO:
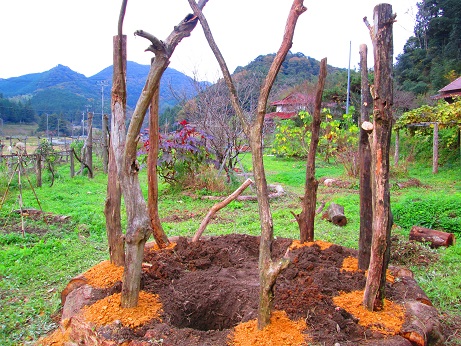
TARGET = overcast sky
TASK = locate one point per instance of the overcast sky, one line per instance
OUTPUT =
(37, 35)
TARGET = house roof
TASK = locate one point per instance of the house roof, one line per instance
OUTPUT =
(292, 99)
(453, 86)
(451, 90)
(281, 115)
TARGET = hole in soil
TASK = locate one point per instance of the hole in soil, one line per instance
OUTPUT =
(211, 303)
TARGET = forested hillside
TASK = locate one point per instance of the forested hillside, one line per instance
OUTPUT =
(66, 94)
(432, 57)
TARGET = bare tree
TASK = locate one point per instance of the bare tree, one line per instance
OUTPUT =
(212, 112)
(306, 218)
(125, 145)
(382, 93)
(268, 269)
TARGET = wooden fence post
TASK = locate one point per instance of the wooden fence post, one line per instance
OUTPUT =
(38, 169)
(72, 163)
(104, 144)
(89, 146)
(435, 149)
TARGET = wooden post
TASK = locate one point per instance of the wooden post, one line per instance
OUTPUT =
(38, 169)
(104, 143)
(307, 216)
(72, 163)
(435, 149)
(112, 208)
(89, 146)
(366, 205)
(397, 148)
(382, 93)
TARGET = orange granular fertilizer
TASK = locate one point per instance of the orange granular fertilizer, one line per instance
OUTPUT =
(350, 264)
(388, 321)
(280, 332)
(296, 244)
(103, 275)
(155, 247)
(108, 310)
(57, 338)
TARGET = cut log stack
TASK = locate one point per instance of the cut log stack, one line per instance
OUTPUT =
(433, 237)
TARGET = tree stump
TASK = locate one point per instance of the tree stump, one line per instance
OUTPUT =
(335, 214)
(433, 237)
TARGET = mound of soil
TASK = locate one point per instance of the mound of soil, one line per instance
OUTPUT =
(205, 289)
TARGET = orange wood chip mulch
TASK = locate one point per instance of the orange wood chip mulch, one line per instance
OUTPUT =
(280, 332)
(108, 310)
(351, 264)
(388, 321)
(103, 275)
(296, 244)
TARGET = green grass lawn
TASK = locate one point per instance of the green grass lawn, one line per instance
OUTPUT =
(35, 268)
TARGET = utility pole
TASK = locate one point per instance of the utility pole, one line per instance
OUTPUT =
(47, 130)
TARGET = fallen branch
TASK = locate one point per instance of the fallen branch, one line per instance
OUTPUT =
(279, 191)
(214, 209)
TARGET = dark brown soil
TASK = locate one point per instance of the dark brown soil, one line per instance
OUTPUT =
(209, 287)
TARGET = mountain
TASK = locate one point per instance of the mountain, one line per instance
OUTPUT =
(64, 91)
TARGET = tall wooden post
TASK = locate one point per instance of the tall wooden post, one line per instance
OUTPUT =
(382, 93)
(112, 209)
(435, 149)
(89, 146)
(366, 206)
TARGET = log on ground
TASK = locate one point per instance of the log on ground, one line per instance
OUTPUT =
(433, 237)
(335, 214)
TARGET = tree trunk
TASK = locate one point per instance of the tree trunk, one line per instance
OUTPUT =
(366, 209)
(435, 149)
(152, 158)
(433, 237)
(112, 208)
(381, 34)
(268, 270)
(307, 216)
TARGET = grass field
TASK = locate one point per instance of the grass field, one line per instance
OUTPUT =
(36, 267)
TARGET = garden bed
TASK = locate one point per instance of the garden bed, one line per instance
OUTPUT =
(206, 293)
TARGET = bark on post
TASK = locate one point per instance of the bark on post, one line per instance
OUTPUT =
(152, 158)
(113, 203)
(435, 149)
(307, 216)
(268, 269)
(366, 209)
(382, 93)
